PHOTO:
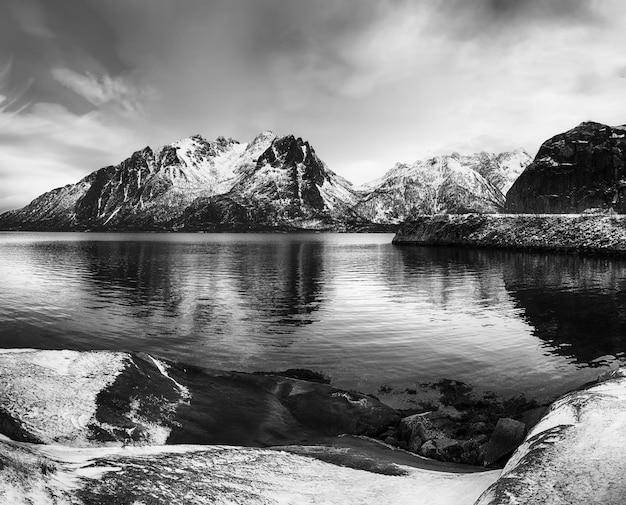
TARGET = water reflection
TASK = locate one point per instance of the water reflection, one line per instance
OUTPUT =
(576, 306)
(353, 306)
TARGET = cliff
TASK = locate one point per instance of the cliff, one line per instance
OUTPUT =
(583, 168)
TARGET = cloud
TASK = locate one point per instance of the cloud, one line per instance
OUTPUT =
(368, 82)
(105, 90)
(45, 145)
(510, 18)
(31, 18)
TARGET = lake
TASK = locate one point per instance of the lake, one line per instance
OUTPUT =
(353, 306)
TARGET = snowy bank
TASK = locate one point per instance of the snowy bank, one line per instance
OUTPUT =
(575, 454)
(593, 233)
(182, 474)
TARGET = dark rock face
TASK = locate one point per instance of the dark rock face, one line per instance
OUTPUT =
(584, 168)
(217, 213)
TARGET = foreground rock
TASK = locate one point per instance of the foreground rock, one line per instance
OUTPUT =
(453, 423)
(592, 233)
(95, 398)
(575, 454)
(584, 168)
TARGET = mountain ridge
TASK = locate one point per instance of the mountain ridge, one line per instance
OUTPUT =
(272, 182)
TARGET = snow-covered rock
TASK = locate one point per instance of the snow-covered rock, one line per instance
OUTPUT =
(575, 454)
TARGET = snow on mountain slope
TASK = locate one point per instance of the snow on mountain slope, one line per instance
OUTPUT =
(444, 184)
(502, 169)
(271, 181)
(54, 209)
(154, 187)
(290, 182)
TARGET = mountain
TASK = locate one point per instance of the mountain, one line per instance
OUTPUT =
(287, 186)
(195, 183)
(443, 184)
(581, 169)
(270, 183)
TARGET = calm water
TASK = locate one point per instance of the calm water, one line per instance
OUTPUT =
(363, 311)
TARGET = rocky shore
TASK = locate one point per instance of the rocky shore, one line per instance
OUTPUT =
(568, 233)
(111, 427)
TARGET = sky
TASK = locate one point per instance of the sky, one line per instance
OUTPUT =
(369, 83)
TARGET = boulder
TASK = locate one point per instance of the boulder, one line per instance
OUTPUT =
(415, 430)
(506, 437)
(444, 449)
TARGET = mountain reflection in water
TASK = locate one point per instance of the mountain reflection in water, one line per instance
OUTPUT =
(356, 307)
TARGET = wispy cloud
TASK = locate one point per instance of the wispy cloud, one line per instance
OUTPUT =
(105, 90)
(45, 145)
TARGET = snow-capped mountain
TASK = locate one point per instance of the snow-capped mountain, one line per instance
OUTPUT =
(286, 186)
(443, 184)
(272, 182)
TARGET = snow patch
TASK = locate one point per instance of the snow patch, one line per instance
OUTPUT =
(113, 214)
(162, 367)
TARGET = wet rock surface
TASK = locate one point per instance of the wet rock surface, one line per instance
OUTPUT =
(506, 437)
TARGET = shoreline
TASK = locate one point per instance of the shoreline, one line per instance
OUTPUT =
(589, 234)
